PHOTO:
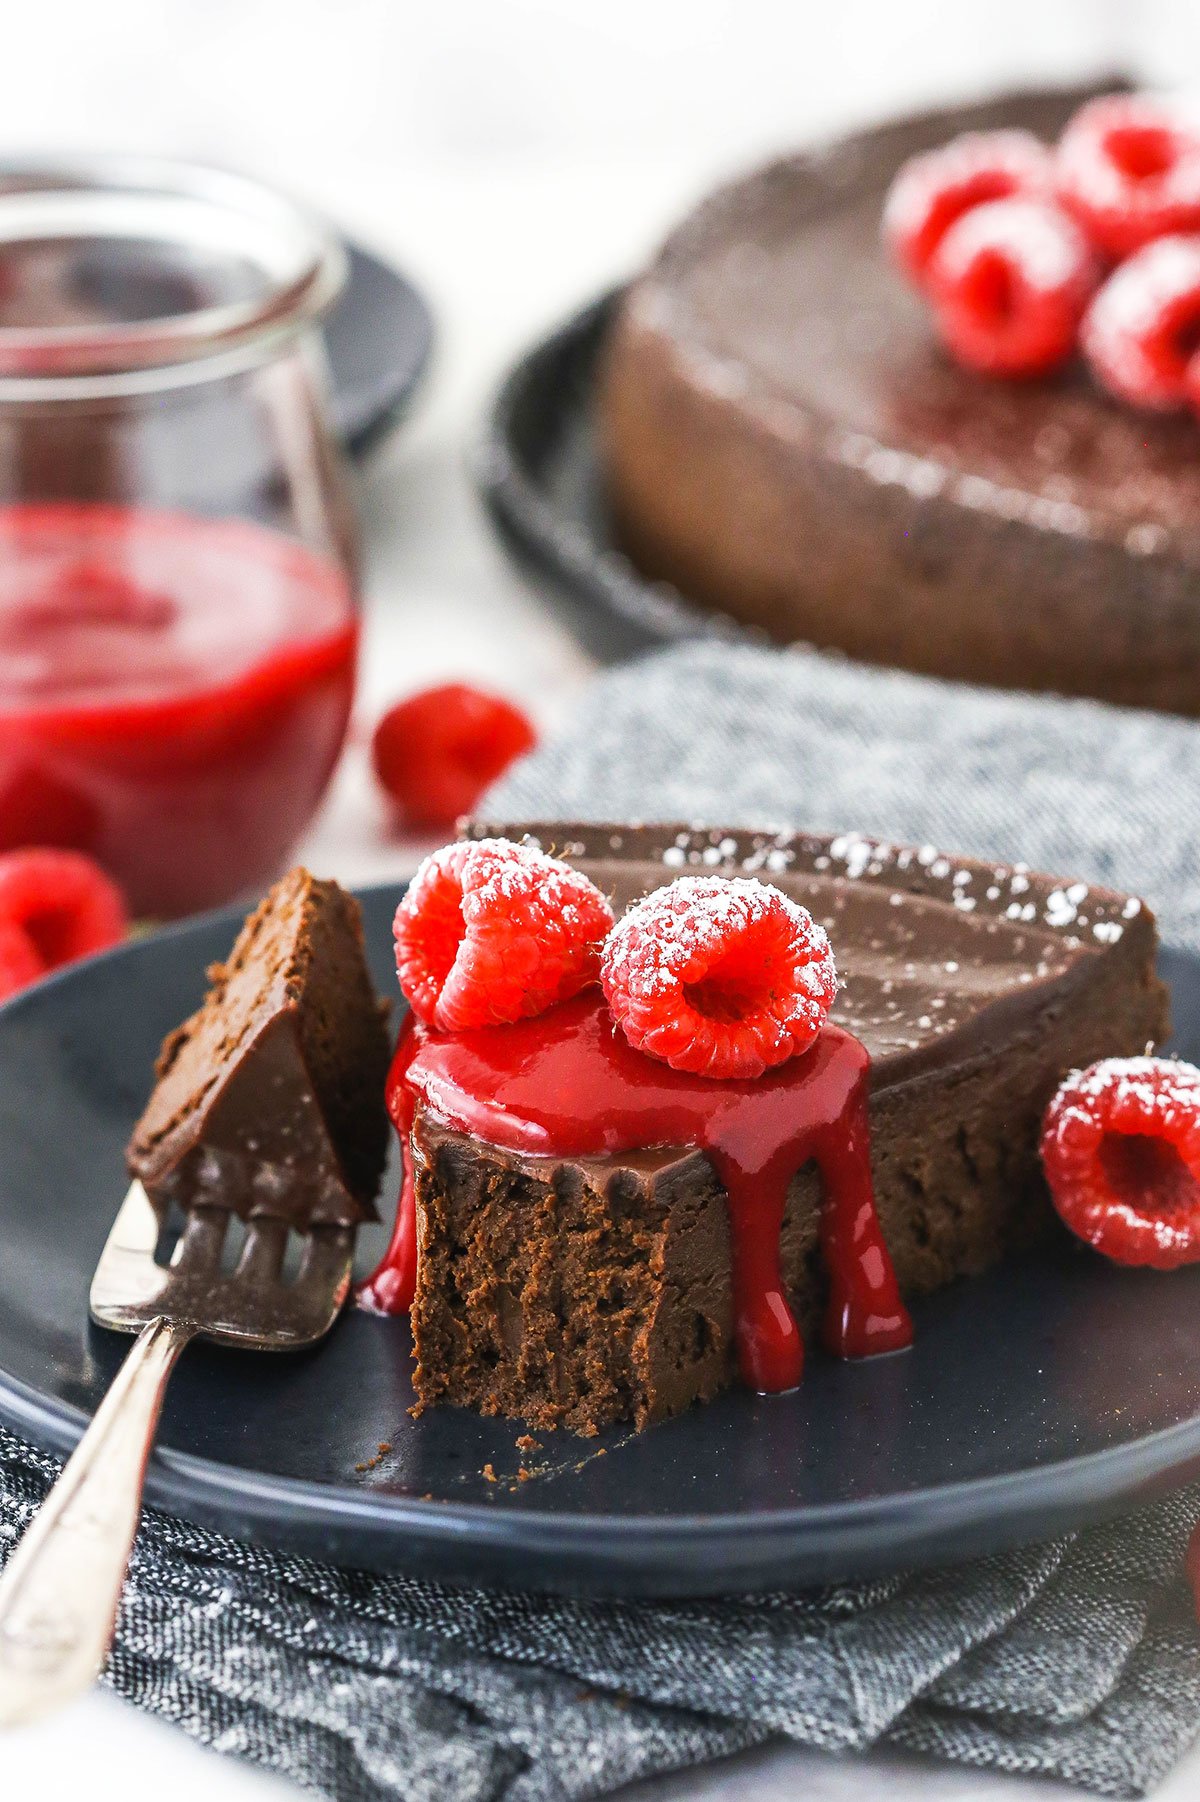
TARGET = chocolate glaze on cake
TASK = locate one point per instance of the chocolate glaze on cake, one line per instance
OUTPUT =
(269, 1100)
(786, 441)
(581, 1291)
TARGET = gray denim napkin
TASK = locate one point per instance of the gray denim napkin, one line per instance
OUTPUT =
(722, 735)
(1079, 1658)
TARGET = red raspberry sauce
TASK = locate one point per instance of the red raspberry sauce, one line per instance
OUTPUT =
(568, 1085)
(173, 694)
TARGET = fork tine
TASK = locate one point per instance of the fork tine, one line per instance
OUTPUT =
(201, 1240)
(262, 1254)
(260, 1304)
(326, 1253)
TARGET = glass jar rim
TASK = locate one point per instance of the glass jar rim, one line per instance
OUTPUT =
(299, 262)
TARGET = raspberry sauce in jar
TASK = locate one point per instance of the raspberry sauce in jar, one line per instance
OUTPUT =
(178, 608)
(173, 693)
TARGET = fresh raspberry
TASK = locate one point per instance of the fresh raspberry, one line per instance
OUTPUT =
(436, 752)
(491, 932)
(1128, 168)
(1121, 1152)
(719, 977)
(1009, 284)
(61, 905)
(1141, 333)
(934, 189)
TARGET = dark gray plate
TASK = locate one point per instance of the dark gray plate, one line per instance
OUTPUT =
(539, 473)
(378, 338)
(1035, 1398)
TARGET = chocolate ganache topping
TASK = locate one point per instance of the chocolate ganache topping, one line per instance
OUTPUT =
(935, 953)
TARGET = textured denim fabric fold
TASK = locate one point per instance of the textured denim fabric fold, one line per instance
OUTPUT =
(372, 1688)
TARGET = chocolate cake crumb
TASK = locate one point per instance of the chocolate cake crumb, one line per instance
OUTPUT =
(374, 1462)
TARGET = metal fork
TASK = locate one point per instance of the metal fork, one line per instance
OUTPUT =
(61, 1590)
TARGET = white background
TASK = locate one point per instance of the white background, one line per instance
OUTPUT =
(513, 156)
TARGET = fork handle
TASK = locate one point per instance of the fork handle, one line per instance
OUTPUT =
(61, 1589)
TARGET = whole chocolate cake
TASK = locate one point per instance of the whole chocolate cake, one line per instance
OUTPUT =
(269, 1100)
(583, 1290)
(785, 441)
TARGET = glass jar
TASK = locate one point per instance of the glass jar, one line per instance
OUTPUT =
(178, 593)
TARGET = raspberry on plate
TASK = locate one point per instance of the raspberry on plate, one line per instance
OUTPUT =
(1121, 1151)
(1009, 283)
(1128, 168)
(437, 751)
(490, 932)
(934, 189)
(55, 906)
(1141, 334)
(720, 977)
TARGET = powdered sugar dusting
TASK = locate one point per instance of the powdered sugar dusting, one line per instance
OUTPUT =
(692, 916)
(1147, 1211)
(681, 938)
(1043, 245)
(991, 927)
(1124, 327)
(1012, 159)
(491, 931)
(1145, 1080)
(1007, 890)
(1093, 179)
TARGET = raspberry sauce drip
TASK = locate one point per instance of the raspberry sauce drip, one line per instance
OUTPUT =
(568, 1085)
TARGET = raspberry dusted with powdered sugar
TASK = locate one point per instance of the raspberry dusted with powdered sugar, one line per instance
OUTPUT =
(1141, 334)
(491, 932)
(936, 188)
(1121, 1152)
(1009, 283)
(1128, 168)
(719, 977)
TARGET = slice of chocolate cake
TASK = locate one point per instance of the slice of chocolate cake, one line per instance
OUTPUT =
(269, 1099)
(587, 1290)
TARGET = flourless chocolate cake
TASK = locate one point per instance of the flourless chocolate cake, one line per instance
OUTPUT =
(580, 1291)
(269, 1100)
(786, 441)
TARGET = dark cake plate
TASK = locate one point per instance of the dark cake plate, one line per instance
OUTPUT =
(537, 465)
(1042, 1395)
